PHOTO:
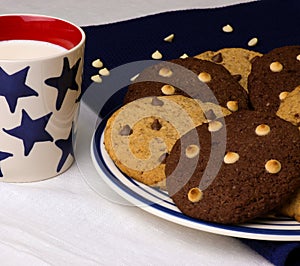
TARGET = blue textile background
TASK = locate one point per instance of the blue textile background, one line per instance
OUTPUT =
(274, 22)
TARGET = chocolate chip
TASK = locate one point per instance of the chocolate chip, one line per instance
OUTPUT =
(217, 58)
(156, 125)
(254, 59)
(163, 158)
(157, 102)
(210, 115)
(125, 131)
(237, 77)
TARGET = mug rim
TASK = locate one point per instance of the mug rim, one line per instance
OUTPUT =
(68, 50)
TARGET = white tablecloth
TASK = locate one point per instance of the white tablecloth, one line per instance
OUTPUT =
(62, 221)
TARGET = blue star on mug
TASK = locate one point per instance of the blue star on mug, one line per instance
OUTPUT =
(64, 82)
(13, 87)
(67, 149)
(31, 131)
(3, 156)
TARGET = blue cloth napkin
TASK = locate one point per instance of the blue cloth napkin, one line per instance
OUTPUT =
(274, 22)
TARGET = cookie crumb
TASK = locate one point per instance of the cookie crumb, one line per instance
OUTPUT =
(156, 55)
(195, 194)
(273, 166)
(276, 67)
(253, 42)
(192, 151)
(227, 28)
(231, 157)
(97, 63)
(262, 130)
(96, 78)
(165, 72)
(204, 77)
(169, 38)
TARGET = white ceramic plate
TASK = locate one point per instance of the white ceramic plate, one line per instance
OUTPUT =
(158, 202)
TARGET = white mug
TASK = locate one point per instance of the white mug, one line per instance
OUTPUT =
(41, 63)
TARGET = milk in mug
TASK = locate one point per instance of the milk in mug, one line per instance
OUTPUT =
(28, 49)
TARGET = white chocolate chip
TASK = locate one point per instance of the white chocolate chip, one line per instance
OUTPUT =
(156, 55)
(214, 126)
(104, 72)
(195, 194)
(96, 78)
(165, 72)
(192, 151)
(232, 106)
(134, 77)
(227, 28)
(231, 157)
(298, 57)
(273, 166)
(253, 42)
(169, 38)
(168, 89)
(97, 63)
(204, 77)
(276, 67)
(183, 56)
(283, 95)
(262, 130)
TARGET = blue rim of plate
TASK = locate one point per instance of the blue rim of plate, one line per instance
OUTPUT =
(157, 202)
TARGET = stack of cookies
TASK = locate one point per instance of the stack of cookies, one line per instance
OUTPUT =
(218, 131)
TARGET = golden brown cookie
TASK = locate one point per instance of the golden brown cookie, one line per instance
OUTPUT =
(140, 135)
(292, 207)
(236, 60)
(289, 108)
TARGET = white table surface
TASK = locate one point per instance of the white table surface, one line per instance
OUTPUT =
(62, 221)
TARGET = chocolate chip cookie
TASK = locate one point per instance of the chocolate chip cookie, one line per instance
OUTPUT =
(139, 136)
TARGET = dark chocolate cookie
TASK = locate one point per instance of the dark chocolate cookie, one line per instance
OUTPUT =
(255, 167)
(181, 76)
(272, 76)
